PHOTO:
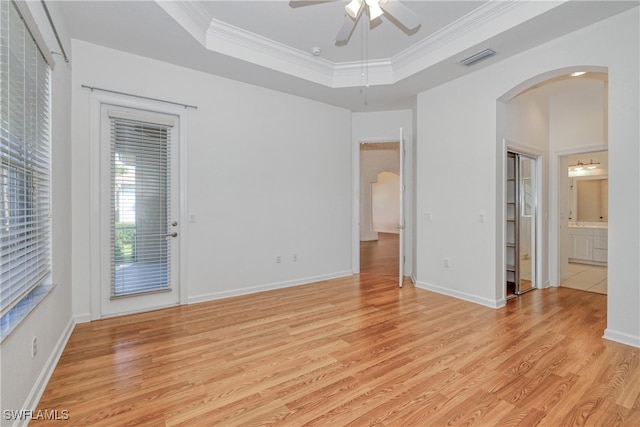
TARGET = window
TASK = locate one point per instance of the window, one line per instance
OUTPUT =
(25, 230)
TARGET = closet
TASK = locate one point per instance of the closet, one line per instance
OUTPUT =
(520, 227)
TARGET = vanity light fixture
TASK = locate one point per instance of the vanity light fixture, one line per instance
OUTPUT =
(580, 166)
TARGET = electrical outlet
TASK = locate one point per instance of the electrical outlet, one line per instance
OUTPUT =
(447, 263)
(34, 347)
(278, 259)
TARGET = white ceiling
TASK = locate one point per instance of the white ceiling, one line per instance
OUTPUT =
(316, 24)
(382, 67)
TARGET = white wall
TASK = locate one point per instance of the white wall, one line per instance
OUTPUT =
(372, 163)
(24, 378)
(385, 126)
(268, 174)
(385, 194)
(460, 169)
(577, 114)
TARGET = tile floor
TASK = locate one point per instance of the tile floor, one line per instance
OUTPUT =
(585, 277)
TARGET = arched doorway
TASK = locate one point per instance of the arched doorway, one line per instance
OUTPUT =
(553, 115)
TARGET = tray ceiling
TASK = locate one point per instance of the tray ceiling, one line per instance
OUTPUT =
(269, 43)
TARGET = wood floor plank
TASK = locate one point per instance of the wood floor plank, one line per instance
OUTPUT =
(356, 351)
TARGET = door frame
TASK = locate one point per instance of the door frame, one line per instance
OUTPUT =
(355, 227)
(509, 145)
(97, 245)
(555, 211)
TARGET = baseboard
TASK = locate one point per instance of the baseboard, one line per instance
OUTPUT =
(82, 318)
(621, 337)
(461, 295)
(31, 402)
(266, 287)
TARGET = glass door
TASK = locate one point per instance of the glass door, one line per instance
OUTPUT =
(139, 193)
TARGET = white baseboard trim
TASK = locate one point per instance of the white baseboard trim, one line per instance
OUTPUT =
(461, 295)
(621, 337)
(31, 402)
(266, 287)
(82, 318)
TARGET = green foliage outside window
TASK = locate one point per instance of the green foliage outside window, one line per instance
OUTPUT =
(125, 242)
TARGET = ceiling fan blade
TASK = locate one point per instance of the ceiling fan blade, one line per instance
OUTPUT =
(401, 13)
(347, 28)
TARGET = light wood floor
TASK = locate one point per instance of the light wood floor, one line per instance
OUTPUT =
(380, 257)
(354, 351)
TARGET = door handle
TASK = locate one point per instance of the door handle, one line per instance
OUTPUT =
(174, 234)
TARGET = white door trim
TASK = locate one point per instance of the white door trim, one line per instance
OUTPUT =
(355, 228)
(510, 145)
(98, 98)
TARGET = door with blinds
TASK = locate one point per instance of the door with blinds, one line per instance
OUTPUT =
(139, 195)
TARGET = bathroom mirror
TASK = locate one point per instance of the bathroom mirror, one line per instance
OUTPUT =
(589, 195)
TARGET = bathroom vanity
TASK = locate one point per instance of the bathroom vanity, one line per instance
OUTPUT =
(588, 243)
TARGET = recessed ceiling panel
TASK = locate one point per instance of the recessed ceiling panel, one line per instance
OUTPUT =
(316, 25)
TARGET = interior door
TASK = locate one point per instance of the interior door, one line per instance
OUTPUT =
(401, 224)
(139, 208)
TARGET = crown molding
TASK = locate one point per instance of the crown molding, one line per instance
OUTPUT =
(486, 21)
(363, 73)
(237, 42)
(407, 59)
(191, 15)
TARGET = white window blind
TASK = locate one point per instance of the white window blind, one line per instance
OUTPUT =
(24, 161)
(140, 206)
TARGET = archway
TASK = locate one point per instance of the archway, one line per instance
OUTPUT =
(537, 118)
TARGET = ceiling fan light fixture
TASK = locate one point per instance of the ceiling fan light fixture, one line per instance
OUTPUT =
(353, 8)
(374, 10)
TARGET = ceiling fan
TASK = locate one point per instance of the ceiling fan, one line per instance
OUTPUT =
(399, 13)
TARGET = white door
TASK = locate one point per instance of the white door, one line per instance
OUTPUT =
(139, 210)
(401, 217)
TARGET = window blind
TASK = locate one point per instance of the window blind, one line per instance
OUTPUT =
(25, 188)
(140, 206)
